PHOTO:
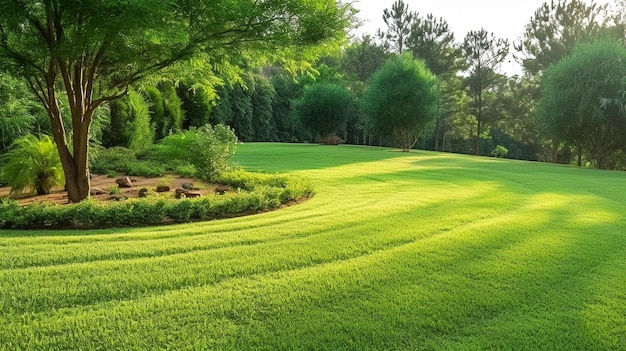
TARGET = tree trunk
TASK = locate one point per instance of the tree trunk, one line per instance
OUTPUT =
(74, 159)
(437, 127)
(77, 181)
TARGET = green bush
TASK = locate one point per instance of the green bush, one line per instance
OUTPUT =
(266, 191)
(208, 149)
(32, 163)
(500, 151)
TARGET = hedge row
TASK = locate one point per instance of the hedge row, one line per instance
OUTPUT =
(257, 192)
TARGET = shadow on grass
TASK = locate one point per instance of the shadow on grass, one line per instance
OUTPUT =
(477, 288)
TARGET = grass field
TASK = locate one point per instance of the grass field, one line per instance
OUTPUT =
(396, 251)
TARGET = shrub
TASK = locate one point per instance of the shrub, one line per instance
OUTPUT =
(122, 160)
(112, 159)
(211, 150)
(500, 151)
(207, 148)
(33, 162)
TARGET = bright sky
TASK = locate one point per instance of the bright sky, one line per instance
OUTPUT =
(505, 18)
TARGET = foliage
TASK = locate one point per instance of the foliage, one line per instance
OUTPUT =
(324, 109)
(517, 128)
(196, 104)
(402, 100)
(583, 100)
(211, 149)
(89, 54)
(242, 109)
(208, 149)
(262, 192)
(399, 21)
(262, 95)
(157, 111)
(121, 160)
(172, 108)
(431, 40)
(32, 163)
(554, 30)
(288, 128)
(499, 151)
(130, 124)
(362, 58)
(19, 113)
(142, 130)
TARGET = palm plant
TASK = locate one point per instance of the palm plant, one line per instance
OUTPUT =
(32, 163)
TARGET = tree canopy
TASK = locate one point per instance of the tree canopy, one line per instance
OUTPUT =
(324, 109)
(402, 100)
(555, 28)
(584, 98)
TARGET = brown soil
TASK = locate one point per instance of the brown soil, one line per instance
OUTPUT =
(59, 196)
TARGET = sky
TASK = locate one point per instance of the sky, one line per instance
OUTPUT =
(504, 18)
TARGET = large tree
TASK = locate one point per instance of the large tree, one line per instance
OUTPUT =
(432, 41)
(402, 100)
(584, 99)
(555, 28)
(484, 54)
(88, 52)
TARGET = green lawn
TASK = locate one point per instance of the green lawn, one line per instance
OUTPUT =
(396, 251)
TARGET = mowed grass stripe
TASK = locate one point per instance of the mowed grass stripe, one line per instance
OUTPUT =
(395, 251)
(364, 285)
(131, 278)
(189, 238)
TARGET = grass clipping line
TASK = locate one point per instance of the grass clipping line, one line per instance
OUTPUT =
(256, 192)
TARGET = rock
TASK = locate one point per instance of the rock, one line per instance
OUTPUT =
(97, 191)
(187, 186)
(180, 193)
(221, 189)
(143, 192)
(186, 193)
(124, 182)
(162, 188)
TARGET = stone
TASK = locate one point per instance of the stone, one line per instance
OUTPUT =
(186, 193)
(97, 191)
(143, 192)
(180, 192)
(124, 182)
(187, 186)
(162, 188)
